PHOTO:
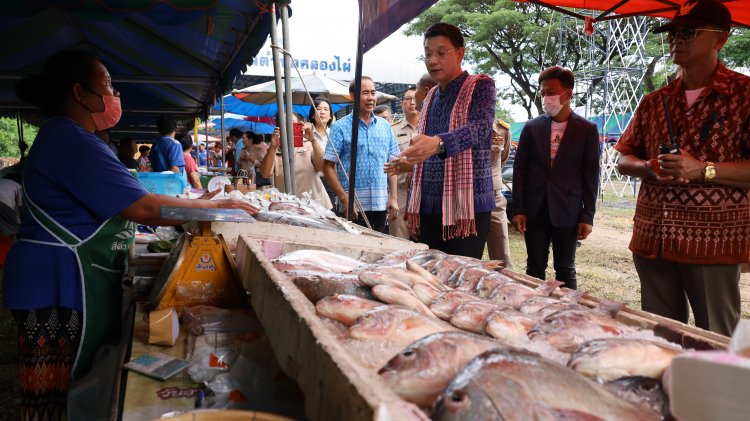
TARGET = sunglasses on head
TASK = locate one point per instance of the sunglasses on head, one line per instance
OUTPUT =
(687, 34)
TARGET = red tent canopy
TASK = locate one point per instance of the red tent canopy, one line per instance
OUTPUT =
(614, 9)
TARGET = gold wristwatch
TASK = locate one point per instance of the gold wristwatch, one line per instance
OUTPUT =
(709, 173)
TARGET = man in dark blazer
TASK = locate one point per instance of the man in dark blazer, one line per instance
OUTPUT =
(555, 179)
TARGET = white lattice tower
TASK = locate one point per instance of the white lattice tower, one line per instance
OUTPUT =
(611, 89)
(625, 70)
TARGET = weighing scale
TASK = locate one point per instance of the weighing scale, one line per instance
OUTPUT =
(200, 270)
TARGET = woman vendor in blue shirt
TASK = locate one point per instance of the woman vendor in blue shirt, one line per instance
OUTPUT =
(62, 279)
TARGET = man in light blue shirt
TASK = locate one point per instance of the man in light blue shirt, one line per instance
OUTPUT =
(375, 190)
(236, 136)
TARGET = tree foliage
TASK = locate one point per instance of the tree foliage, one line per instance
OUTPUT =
(9, 136)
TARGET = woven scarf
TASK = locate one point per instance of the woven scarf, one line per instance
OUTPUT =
(458, 174)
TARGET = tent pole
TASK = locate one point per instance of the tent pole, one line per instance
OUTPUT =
(281, 114)
(223, 138)
(292, 183)
(355, 121)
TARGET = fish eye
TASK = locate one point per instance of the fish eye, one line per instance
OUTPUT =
(458, 396)
(408, 353)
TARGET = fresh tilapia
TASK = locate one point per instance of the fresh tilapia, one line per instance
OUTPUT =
(296, 220)
(608, 307)
(568, 329)
(372, 278)
(487, 284)
(316, 287)
(335, 262)
(401, 256)
(292, 208)
(404, 275)
(515, 385)
(534, 304)
(423, 369)
(472, 315)
(288, 267)
(513, 295)
(426, 293)
(446, 303)
(344, 308)
(396, 324)
(612, 358)
(467, 278)
(643, 391)
(403, 297)
(430, 278)
(509, 325)
(446, 267)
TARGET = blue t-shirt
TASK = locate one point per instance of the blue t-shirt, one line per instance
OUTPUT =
(237, 151)
(79, 197)
(165, 154)
(375, 145)
(202, 158)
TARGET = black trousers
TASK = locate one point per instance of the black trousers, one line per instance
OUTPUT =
(431, 233)
(376, 218)
(539, 234)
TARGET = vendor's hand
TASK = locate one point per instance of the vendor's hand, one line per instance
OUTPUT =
(392, 210)
(519, 222)
(308, 131)
(681, 168)
(344, 200)
(237, 204)
(397, 166)
(275, 138)
(209, 195)
(422, 147)
(584, 230)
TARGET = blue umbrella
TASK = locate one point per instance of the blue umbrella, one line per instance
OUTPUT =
(236, 106)
(233, 121)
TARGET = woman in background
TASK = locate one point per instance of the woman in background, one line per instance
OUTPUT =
(126, 149)
(320, 115)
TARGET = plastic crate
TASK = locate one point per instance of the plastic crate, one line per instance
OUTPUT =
(158, 183)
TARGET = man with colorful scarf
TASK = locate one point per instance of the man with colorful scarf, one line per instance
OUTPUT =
(451, 193)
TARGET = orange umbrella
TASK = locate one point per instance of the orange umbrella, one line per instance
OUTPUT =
(614, 9)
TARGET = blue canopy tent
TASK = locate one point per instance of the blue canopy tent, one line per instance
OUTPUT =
(173, 57)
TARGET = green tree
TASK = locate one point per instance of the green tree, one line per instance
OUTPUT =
(736, 52)
(503, 113)
(9, 136)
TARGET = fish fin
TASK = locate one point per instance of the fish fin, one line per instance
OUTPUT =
(573, 296)
(610, 307)
(547, 287)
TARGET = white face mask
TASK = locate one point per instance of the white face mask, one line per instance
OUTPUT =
(552, 105)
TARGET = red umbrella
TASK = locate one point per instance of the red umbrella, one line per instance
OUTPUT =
(614, 9)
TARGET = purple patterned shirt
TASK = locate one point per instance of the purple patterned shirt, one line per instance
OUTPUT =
(476, 134)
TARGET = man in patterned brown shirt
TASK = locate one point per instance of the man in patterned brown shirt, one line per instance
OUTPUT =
(692, 220)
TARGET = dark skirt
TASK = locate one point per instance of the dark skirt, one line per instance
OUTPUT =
(48, 340)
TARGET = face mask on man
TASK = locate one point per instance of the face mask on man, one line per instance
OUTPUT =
(552, 105)
(112, 112)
